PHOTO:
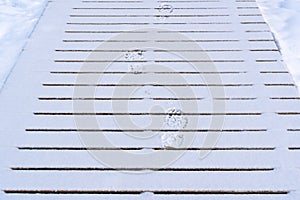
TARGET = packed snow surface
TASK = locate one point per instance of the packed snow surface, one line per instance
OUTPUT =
(283, 16)
(17, 20)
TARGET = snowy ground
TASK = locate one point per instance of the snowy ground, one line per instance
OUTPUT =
(17, 20)
(283, 16)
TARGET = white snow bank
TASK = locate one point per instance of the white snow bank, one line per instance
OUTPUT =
(283, 16)
(17, 20)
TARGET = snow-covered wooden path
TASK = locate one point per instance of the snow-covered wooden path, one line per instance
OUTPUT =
(91, 111)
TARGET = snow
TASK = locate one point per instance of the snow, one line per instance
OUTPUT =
(283, 17)
(17, 20)
(241, 125)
